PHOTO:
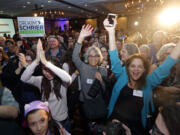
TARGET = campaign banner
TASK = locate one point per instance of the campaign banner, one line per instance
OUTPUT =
(31, 26)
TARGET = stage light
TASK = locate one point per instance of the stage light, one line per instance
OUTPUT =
(170, 16)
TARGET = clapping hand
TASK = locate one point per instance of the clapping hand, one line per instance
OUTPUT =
(38, 50)
(40, 56)
(22, 60)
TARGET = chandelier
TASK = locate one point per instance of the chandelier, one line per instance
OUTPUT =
(141, 4)
(51, 14)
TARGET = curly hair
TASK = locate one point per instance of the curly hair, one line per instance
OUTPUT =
(141, 82)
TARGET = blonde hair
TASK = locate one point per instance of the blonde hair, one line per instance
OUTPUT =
(163, 50)
(145, 47)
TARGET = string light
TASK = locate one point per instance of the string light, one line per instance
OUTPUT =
(50, 13)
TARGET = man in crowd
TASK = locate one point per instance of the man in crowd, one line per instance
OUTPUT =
(54, 48)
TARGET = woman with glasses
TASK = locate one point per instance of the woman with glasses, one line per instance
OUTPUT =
(90, 69)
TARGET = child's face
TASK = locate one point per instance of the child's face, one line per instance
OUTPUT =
(38, 122)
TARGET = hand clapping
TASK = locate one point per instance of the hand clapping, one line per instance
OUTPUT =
(40, 55)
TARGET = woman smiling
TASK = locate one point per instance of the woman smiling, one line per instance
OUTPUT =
(131, 99)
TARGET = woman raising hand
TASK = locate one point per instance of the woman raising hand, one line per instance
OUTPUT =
(131, 99)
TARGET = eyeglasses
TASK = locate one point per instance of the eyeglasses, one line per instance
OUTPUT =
(95, 56)
(156, 130)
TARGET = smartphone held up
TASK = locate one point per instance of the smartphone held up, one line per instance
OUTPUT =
(110, 17)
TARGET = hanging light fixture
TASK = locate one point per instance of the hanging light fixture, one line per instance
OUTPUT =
(141, 4)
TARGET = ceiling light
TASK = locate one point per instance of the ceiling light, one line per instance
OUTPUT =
(35, 15)
(170, 16)
(28, 2)
(49, 1)
(24, 6)
(69, 7)
(42, 5)
(85, 5)
(136, 23)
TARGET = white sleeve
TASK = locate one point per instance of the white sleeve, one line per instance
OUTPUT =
(65, 66)
(63, 75)
(73, 76)
(27, 75)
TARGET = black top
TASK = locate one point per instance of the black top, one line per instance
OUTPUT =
(128, 109)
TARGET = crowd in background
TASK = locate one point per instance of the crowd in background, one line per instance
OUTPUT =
(138, 77)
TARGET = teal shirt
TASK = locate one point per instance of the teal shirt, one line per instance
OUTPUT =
(151, 81)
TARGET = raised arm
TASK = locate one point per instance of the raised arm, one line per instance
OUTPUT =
(164, 69)
(62, 74)
(116, 65)
(27, 74)
(111, 33)
(175, 54)
(85, 32)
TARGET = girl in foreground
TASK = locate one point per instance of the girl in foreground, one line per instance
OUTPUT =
(52, 85)
(39, 120)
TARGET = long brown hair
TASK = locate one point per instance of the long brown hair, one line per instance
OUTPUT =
(67, 58)
(46, 85)
(141, 82)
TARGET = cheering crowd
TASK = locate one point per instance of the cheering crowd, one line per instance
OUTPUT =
(116, 84)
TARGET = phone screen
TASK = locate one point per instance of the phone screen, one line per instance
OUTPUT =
(110, 18)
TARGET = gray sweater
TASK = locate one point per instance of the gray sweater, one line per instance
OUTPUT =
(87, 72)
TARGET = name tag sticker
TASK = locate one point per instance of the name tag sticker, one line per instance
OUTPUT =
(137, 93)
(89, 81)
